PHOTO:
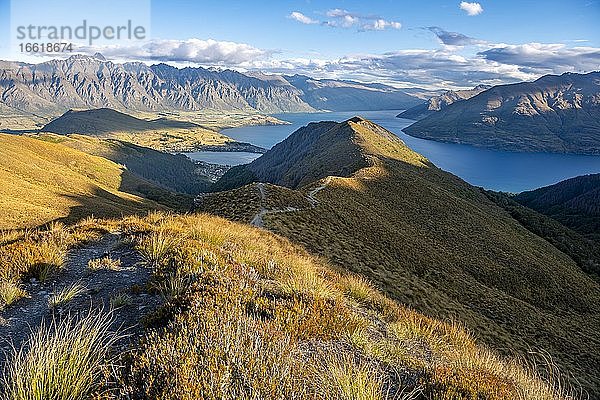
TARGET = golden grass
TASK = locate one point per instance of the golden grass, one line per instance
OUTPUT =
(439, 245)
(63, 361)
(40, 258)
(104, 263)
(44, 181)
(249, 315)
(66, 294)
(256, 315)
(10, 292)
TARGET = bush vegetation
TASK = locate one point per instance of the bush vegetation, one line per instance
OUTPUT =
(248, 315)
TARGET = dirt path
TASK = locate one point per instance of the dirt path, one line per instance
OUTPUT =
(27, 314)
(258, 221)
(311, 195)
(258, 218)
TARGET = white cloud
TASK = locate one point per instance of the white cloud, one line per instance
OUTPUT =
(338, 18)
(448, 66)
(208, 51)
(545, 57)
(471, 8)
(298, 16)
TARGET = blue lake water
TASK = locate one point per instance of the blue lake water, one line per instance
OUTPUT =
(224, 157)
(497, 170)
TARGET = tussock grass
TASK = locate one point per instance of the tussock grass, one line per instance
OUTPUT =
(10, 292)
(9, 236)
(340, 376)
(120, 300)
(39, 259)
(63, 361)
(254, 313)
(66, 294)
(157, 245)
(104, 263)
(249, 315)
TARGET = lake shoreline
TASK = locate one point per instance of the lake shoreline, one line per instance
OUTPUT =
(496, 170)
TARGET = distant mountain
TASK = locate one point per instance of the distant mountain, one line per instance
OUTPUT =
(552, 114)
(90, 82)
(53, 87)
(441, 101)
(336, 95)
(357, 196)
(574, 202)
(162, 134)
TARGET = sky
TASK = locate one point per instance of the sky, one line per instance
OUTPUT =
(427, 43)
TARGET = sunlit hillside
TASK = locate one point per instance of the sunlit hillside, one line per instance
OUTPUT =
(43, 181)
(431, 241)
(227, 311)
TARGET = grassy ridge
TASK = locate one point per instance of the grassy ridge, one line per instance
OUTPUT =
(174, 172)
(249, 315)
(44, 181)
(584, 251)
(430, 240)
(160, 134)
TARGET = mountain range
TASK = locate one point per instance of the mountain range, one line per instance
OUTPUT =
(356, 195)
(53, 87)
(552, 114)
(436, 103)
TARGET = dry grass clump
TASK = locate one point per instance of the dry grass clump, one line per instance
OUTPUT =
(38, 254)
(63, 360)
(10, 292)
(155, 247)
(104, 263)
(66, 294)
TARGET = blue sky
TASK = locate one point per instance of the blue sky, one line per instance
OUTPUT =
(431, 43)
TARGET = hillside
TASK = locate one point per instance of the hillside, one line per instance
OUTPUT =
(161, 134)
(573, 202)
(175, 172)
(204, 308)
(441, 101)
(431, 241)
(43, 182)
(313, 152)
(552, 114)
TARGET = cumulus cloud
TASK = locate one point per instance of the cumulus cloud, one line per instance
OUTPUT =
(422, 68)
(544, 57)
(298, 16)
(471, 8)
(448, 66)
(208, 51)
(338, 18)
(445, 68)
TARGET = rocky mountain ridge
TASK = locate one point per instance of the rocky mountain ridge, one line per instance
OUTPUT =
(53, 87)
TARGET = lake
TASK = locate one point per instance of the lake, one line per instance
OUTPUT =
(497, 170)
